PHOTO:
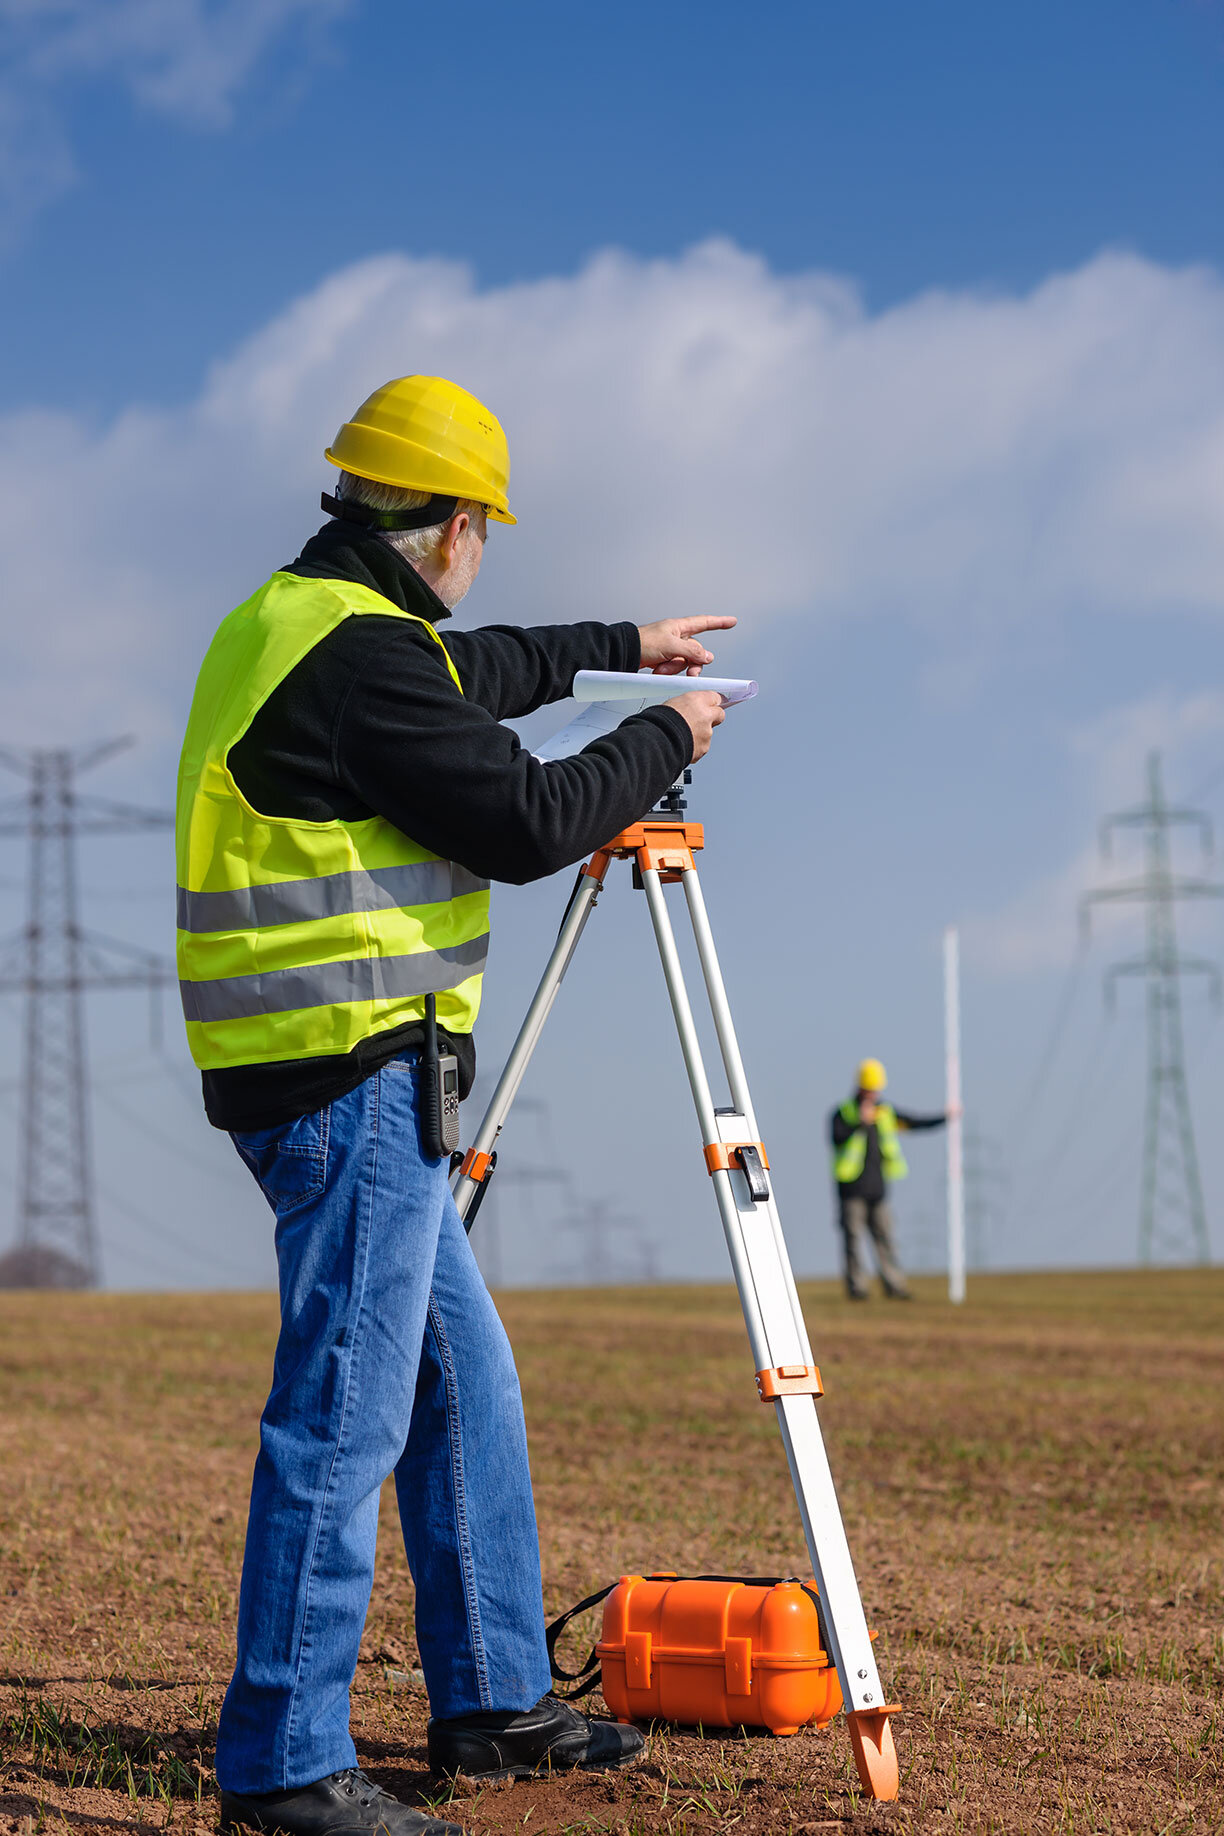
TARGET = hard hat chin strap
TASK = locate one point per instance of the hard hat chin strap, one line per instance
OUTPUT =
(426, 516)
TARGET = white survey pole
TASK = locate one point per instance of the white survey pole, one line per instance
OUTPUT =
(956, 1154)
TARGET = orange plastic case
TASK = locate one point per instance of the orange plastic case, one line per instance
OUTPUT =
(720, 1653)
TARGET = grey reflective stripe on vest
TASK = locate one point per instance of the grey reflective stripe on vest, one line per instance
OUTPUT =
(362, 978)
(327, 895)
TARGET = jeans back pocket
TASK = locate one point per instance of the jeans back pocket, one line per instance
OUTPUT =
(289, 1161)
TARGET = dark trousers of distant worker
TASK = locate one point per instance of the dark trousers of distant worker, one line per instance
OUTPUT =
(859, 1217)
(391, 1359)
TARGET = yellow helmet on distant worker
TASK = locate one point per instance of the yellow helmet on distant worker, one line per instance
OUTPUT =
(872, 1075)
(426, 434)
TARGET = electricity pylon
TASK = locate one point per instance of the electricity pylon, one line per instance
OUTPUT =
(985, 1180)
(603, 1262)
(489, 1251)
(487, 1240)
(1172, 1219)
(52, 961)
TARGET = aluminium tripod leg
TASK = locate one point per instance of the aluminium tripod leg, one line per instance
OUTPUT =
(786, 1374)
(472, 1177)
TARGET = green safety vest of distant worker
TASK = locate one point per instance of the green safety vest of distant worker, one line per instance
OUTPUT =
(851, 1157)
(298, 939)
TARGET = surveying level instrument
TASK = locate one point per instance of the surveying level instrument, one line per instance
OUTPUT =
(662, 846)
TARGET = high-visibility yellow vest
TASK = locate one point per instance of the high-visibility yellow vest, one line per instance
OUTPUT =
(851, 1157)
(300, 939)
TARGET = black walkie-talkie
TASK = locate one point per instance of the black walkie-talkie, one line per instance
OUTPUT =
(439, 1091)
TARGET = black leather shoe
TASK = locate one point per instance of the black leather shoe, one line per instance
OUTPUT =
(345, 1804)
(551, 1737)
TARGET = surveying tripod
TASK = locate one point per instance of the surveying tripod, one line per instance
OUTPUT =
(661, 848)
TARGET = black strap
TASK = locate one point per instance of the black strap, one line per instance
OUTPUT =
(553, 1632)
(425, 516)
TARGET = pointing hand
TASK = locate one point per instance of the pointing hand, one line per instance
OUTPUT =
(670, 648)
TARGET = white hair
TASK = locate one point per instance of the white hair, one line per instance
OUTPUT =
(415, 545)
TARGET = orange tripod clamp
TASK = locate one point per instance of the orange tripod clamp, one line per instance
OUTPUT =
(661, 844)
(476, 1166)
(789, 1380)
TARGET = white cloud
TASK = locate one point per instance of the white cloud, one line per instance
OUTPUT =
(183, 58)
(1037, 929)
(1186, 730)
(686, 434)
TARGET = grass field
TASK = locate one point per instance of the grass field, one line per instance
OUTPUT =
(1033, 1486)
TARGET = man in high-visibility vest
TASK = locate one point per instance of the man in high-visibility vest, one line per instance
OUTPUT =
(867, 1157)
(346, 794)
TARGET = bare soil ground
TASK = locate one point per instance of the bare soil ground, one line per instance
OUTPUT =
(1033, 1487)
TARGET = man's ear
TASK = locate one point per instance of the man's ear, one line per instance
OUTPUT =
(452, 539)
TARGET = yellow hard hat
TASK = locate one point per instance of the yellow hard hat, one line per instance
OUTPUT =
(426, 434)
(872, 1075)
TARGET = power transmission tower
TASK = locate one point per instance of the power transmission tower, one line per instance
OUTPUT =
(488, 1238)
(490, 1249)
(604, 1255)
(1172, 1219)
(52, 961)
(985, 1179)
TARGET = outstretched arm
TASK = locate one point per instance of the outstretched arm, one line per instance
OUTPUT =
(915, 1124)
(408, 745)
(510, 670)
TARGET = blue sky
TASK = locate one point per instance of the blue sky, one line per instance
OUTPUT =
(910, 351)
(943, 145)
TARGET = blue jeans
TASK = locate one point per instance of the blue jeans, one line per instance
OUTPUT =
(391, 1359)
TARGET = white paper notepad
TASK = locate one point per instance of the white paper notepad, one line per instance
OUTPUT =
(612, 696)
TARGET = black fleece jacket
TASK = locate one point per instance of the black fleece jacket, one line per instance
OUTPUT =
(371, 723)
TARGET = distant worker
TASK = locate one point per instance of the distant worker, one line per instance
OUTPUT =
(866, 1158)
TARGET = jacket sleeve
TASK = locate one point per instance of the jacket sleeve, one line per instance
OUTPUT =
(437, 765)
(840, 1129)
(510, 672)
(914, 1124)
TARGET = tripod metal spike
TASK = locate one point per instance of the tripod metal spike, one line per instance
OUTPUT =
(661, 848)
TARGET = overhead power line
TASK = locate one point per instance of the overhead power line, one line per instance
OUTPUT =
(157, 1230)
(1099, 1068)
(1040, 1081)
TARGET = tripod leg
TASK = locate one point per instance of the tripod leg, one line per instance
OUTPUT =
(778, 1337)
(476, 1167)
(737, 1078)
(690, 1046)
